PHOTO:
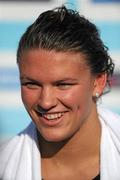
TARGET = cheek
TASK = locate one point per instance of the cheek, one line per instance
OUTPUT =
(29, 98)
(78, 98)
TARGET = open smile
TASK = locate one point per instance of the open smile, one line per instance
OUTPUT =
(51, 116)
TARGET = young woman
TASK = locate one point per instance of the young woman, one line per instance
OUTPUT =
(64, 69)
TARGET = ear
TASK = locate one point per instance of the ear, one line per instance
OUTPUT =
(99, 84)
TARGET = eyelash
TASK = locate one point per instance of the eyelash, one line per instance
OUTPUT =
(29, 84)
(59, 85)
(65, 85)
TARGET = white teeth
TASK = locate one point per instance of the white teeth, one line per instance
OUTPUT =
(59, 114)
(53, 116)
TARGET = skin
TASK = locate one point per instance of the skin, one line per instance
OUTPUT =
(62, 82)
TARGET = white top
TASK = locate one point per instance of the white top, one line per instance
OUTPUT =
(20, 157)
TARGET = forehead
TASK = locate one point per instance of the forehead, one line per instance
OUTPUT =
(40, 61)
(37, 56)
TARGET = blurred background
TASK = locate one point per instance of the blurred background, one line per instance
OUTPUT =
(15, 16)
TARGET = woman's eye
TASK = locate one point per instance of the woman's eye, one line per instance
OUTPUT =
(30, 85)
(64, 86)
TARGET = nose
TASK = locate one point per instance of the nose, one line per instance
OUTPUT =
(47, 99)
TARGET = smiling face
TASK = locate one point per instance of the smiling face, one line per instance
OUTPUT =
(57, 90)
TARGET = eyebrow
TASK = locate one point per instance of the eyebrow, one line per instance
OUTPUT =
(57, 81)
(25, 79)
(67, 79)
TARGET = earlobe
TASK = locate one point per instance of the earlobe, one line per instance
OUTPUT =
(99, 84)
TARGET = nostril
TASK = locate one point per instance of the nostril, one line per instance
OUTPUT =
(41, 109)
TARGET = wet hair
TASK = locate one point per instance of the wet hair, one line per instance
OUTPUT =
(64, 30)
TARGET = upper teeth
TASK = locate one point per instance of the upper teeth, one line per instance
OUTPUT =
(52, 116)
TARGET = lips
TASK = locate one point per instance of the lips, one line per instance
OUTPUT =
(53, 116)
(51, 119)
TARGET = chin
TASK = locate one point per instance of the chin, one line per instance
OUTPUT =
(51, 138)
(54, 137)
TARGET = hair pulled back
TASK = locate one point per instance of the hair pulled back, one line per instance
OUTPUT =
(63, 29)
